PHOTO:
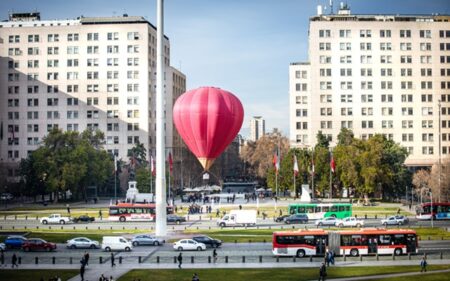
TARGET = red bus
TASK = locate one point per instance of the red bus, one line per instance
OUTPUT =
(134, 212)
(367, 241)
(441, 211)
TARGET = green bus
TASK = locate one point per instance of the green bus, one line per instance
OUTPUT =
(322, 210)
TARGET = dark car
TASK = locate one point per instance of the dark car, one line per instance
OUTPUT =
(296, 218)
(281, 218)
(37, 244)
(14, 241)
(176, 219)
(208, 241)
(83, 218)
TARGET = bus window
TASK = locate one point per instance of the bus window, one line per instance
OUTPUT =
(292, 211)
(309, 209)
(123, 211)
(309, 240)
(347, 208)
(334, 208)
(399, 239)
(138, 211)
(356, 240)
(346, 240)
(113, 211)
(341, 208)
(318, 209)
(384, 240)
(325, 209)
(301, 209)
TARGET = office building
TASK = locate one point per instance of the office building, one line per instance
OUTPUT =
(257, 128)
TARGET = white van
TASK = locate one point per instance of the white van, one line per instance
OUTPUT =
(116, 243)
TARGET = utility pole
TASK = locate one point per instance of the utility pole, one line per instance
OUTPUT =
(440, 150)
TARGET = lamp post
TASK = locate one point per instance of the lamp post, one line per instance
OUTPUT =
(440, 150)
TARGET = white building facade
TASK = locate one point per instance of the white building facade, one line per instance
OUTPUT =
(257, 128)
(375, 74)
(97, 73)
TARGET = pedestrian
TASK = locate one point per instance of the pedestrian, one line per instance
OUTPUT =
(14, 261)
(398, 211)
(180, 260)
(82, 272)
(217, 212)
(332, 256)
(2, 257)
(322, 272)
(111, 278)
(86, 258)
(423, 264)
(102, 278)
(281, 212)
(195, 277)
(100, 215)
(215, 255)
(327, 258)
(112, 260)
(68, 208)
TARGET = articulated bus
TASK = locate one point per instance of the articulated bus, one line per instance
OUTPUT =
(134, 212)
(322, 210)
(441, 211)
(316, 242)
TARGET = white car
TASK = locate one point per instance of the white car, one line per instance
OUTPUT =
(55, 218)
(189, 244)
(82, 242)
(326, 221)
(394, 220)
(2, 246)
(350, 221)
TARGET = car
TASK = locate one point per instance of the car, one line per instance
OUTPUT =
(296, 218)
(2, 246)
(82, 242)
(281, 218)
(188, 244)
(350, 221)
(326, 221)
(395, 220)
(55, 218)
(141, 240)
(14, 241)
(37, 244)
(176, 219)
(83, 218)
(116, 243)
(208, 241)
(6, 196)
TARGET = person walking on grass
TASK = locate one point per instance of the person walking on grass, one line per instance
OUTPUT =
(423, 264)
(322, 272)
(100, 214)
(195, 277)
(180, 260)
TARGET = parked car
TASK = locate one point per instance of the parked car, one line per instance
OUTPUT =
(176, 219)
(6, 196)
(83, 218)
(281, 218)
(82, 242)
(141, 240)
(208, 241)
(188, 244)
(2, 246)
(395, 220)
(15, 241)
(116, 243)
(296, 218)
(326, 221)
(37, 244)
(350, 221)
(55, 218)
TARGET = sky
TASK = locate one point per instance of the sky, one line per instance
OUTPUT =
(243, 46)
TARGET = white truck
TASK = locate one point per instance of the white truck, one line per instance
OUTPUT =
(238, 218)
(55, 218)
(350, 221)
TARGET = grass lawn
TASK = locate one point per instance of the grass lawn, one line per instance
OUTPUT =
(435, 233)
(285, 274)
(35, 275)
(427, 277)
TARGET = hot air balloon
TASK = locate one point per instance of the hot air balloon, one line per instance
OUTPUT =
(208, 119)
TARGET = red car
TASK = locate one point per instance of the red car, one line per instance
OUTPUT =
(37, 244)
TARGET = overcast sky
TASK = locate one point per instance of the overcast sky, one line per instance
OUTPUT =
(243, 46)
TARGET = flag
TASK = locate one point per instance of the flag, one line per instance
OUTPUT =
(152, 165)
(115, 164)
(276, 161)
(169, 159)
(332, 163)
(295, 166)
(312, 166)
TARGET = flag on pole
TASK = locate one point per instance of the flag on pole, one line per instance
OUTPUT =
(332, 163)
(115, 164)
(295, 166)
(152, 165)
(312, 166)
(170, 162)
(276, 161)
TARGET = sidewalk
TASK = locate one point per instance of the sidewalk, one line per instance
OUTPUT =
(93, 272)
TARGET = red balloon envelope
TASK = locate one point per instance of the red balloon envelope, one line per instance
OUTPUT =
(208, 119)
